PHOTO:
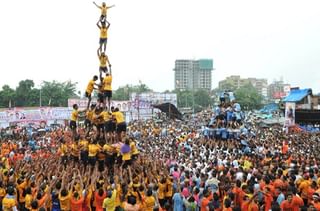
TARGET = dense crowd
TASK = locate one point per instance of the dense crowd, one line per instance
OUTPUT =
(166, 165)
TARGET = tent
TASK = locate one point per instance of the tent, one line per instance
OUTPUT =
(170, 110)
(297, 95)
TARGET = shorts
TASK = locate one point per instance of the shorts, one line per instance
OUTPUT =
(100, 127)
(220, 117)
(87, 123)
(109, 126)
(126, 163)
(121, 127)
(92, 160)
(75, 158)
(103, 69)
(162, 202)
(135, 157)
(110, 160)
(101, 165)
(107, 94)
(73, 125)
(100, 97)
(84, 157)
(64, 159)
(103, 41)
(88, 95)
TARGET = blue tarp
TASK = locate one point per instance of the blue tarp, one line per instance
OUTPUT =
(269, 108)
(297, 95)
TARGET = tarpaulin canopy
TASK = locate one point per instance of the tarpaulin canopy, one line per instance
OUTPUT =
(170, 110)
(297, 95)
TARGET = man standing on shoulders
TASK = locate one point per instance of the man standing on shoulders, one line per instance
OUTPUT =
(107, 88)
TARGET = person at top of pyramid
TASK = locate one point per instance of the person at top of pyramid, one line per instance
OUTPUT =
(103, 9)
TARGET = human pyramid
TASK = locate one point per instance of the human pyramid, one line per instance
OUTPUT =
(105, 118)
(104, 87)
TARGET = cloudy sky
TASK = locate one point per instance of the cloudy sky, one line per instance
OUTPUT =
(57, 40)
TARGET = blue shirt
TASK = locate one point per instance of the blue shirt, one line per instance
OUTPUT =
(280, 198)
(177, 202)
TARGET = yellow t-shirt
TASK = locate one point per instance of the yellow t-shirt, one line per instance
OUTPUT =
(89, 115)
(126, 156)
(84, 145)
(75, 149)
(63, 149)
(103, 61)
(103, 33)
(2, 192)
(110, 203)
(93, 150)
(74, 115)
(8, 204)
(106, 116)
(90, 87)
(65, 201)
(28, 200)
(107, 148)
(21, 187)
(169, 192)
(107, 81)
(119, 117)
(134, 149)
(161, 190)
(149, 203)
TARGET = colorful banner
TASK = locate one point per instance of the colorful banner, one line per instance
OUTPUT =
(123, 106)
(35, 114)
(290, 114)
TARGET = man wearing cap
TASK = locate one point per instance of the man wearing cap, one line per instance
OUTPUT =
(316, 201)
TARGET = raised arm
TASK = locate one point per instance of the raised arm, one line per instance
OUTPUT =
(111, 6)
(98, 24)
(108, 24)
(96, 5)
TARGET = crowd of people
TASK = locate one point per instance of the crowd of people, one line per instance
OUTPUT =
(159, 166)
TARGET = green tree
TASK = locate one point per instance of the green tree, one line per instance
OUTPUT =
(228, 86)
(7, 95)
(202, 98)
(184, 98)
(123, 92)
(248, 97)
(24, 93)
(57, 93)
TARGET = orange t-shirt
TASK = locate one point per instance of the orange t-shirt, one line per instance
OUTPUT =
(98, 200)
(297, 202)
(268, 198)
(76, 205)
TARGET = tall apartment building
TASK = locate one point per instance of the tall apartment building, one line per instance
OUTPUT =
(235, 82)
(193, 74)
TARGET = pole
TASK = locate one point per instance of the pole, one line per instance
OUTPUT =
(192, 101)
(138, 107)
(40, 97)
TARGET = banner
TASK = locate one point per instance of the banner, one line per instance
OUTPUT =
(290, 114)
(35, 114)
(123, 106)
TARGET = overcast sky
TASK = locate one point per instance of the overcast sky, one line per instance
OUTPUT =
(58, 39)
